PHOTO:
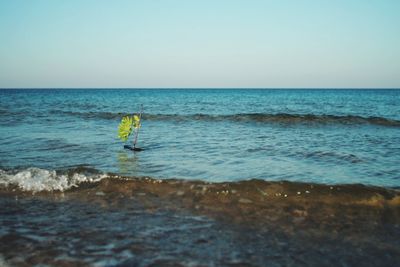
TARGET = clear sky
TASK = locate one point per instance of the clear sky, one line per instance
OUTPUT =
(200, 43)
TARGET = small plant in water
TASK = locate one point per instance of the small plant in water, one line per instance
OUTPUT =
(128, 125)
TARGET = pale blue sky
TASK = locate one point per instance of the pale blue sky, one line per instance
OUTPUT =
(207, 43)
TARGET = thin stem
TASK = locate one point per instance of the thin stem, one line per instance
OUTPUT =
(140, 123)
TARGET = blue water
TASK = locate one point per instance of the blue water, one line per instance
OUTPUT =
(323, 136)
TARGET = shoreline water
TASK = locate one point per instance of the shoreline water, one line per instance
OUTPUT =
(130, 221)
(33, 180)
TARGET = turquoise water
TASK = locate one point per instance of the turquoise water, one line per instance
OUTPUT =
(322, 136)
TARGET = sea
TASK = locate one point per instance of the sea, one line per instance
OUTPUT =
(225, 177)
(214, 135)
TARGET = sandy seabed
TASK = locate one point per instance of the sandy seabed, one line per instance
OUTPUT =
(149, 222)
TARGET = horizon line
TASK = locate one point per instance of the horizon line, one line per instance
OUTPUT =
(203, 88)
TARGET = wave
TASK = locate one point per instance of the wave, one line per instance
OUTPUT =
(282, 118)
(38, 180)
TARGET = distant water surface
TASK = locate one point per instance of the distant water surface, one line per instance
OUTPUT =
(321, 136)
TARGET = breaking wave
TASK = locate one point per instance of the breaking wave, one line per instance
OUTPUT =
(38, 180)
(284, 118)
(35, 180)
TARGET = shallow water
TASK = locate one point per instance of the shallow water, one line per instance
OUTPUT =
(322, 136)
(146, 222)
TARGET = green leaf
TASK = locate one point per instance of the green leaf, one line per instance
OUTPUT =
(136, 121)
(125, 128)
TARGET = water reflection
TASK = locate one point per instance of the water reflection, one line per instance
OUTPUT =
(128, 163)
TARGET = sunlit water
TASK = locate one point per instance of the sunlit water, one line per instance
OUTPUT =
(322, 136)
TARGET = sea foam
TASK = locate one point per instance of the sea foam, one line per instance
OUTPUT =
(37, 180)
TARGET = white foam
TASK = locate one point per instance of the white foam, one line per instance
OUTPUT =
(3, 262)
(37, 180)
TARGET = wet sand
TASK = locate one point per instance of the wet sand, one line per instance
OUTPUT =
(149, 222)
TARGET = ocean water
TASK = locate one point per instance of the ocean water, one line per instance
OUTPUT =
(47, 137)
(71, 195)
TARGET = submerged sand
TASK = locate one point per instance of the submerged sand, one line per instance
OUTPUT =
(150, 222)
